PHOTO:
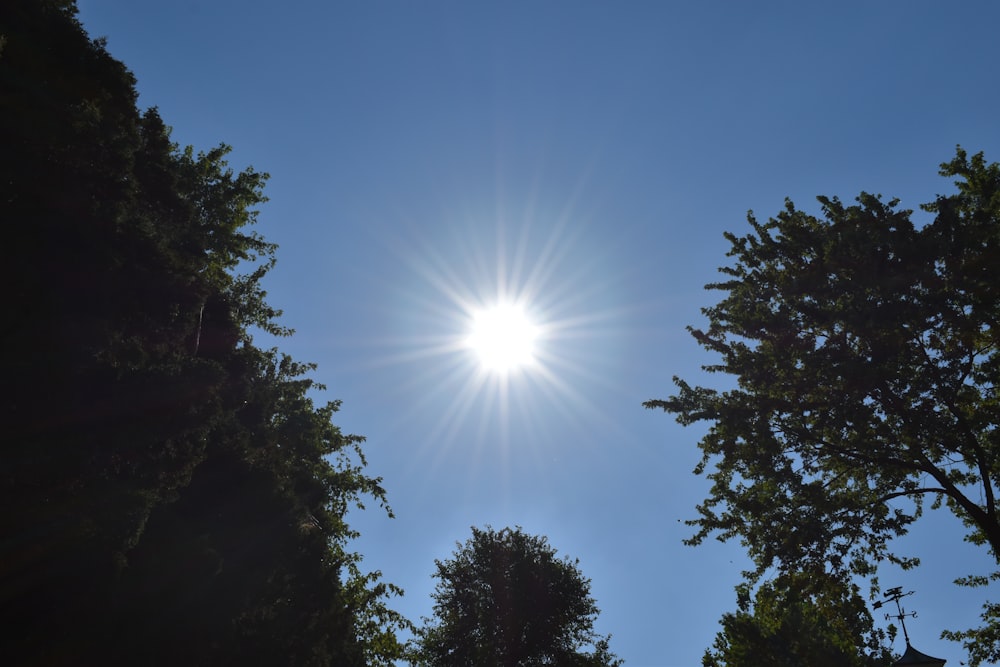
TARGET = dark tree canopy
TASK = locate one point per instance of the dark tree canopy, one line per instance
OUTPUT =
(506, 600)
(795, 620)
(172, 494)
(866, 355)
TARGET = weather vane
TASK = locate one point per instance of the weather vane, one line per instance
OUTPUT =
(912, 656)
(895, 595)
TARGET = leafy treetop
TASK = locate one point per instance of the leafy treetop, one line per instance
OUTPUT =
(866, 353)
(505, 599)
(800, 619)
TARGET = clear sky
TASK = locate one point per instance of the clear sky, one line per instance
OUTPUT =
(583, 160)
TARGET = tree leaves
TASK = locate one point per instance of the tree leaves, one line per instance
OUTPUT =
(505, 599)
(864, 351)
(174, 495)
(798, 620)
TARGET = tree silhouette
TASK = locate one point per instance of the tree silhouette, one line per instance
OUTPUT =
(172, 493)
(866, 356)
(505, 599)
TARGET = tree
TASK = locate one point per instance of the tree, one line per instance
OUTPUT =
(865, 352)
(505, 599)
(172, 493)
(800, 620)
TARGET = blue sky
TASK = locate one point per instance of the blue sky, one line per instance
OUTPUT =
(584, 158)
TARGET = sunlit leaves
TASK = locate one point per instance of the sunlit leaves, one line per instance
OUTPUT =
(800, 620)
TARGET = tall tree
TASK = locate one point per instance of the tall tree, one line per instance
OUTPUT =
(798, 619)
(505, 599)
(866, 355)
(172, 494)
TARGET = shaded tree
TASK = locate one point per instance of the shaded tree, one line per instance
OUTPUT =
(174, 496)
(796, 620)
(865, 355)
(505, 599)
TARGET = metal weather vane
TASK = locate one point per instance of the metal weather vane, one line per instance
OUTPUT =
(911, 657)
(895, 595)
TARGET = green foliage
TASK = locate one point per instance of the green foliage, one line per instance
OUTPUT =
(800, 620)
(865, 353)
(174, 495)
(982, 643)
(505, 599)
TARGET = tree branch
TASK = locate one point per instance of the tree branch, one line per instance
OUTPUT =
(971, 441)
(912, 492)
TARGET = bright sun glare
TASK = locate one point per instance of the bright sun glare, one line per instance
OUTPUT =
(495, 325)
(503, 338)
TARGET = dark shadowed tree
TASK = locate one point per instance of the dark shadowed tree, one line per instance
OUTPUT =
(866, 356)
(504, 599)
(172, 495)
(800, 620)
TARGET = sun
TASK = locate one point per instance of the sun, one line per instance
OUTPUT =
(505, 322)
(502, 338)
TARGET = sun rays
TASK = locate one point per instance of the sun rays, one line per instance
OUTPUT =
(504, 329)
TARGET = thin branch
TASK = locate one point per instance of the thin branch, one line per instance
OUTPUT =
(912, 492)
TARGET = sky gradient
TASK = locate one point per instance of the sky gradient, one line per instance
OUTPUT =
(583, 158)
